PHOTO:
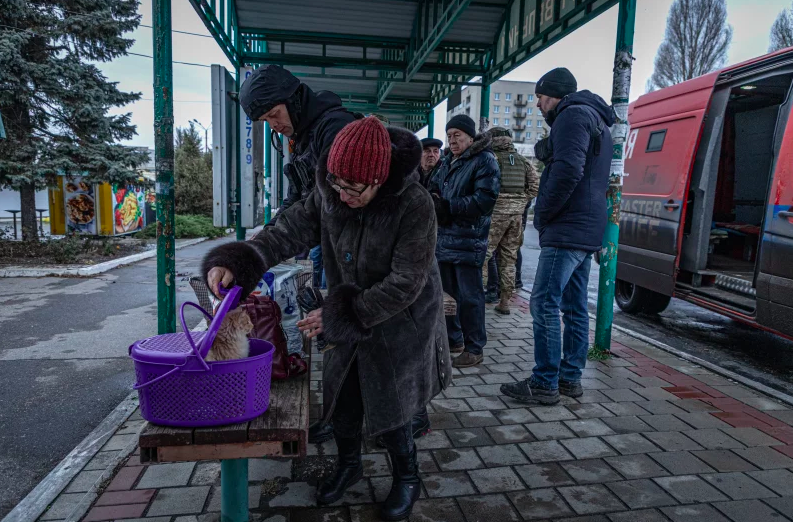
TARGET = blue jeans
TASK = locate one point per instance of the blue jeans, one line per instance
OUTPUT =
(560, 285)
(315, 254)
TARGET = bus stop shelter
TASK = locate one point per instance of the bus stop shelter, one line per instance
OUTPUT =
(396, 58)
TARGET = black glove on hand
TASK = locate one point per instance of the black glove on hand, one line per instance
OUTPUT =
(443, 210)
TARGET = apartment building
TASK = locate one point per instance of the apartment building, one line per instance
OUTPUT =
(512, 105)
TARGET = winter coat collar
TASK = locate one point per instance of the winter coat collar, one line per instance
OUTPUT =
(405, 160)
(482, 143)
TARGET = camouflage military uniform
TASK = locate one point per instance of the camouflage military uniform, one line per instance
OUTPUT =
(519, 185)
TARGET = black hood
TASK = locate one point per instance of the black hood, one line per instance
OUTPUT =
(306, 106)
(267, 87)
(589, 99)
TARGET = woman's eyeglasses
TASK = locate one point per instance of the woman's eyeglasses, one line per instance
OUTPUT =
(333, 181)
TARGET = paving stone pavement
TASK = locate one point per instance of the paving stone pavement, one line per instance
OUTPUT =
(654, 438)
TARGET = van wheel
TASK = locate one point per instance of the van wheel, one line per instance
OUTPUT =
(634, 299)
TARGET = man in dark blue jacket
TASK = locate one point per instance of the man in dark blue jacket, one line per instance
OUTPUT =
(465, 190)
(570, 215)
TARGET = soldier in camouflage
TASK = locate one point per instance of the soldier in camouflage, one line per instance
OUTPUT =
(519, 185)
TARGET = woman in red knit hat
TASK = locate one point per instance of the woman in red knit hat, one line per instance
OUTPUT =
(384, 310)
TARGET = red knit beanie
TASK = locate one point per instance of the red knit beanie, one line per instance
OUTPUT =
(361, 152)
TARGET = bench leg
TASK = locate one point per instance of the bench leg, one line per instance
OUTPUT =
(234, 490)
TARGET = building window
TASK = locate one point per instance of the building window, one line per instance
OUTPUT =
(528, 135)
(496, 96)
(529, 111)
(495, 121)
(528, 123)
(468, 111)
(506, 110)
(495, 109)
(539, 123)
(506, 121)
(517, 135)
(531, 97)
(508, 96)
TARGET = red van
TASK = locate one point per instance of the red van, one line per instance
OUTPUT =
(707, 204)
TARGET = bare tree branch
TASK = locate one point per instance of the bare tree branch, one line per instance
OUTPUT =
(696, 42)
(782, 31)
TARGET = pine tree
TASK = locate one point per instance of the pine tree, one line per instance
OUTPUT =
(55, 102)
(192, 174)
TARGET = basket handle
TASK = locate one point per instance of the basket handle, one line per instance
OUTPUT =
(137, 386)
(230, 301)
(187, 332)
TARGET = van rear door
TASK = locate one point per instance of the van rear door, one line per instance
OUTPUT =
(775, 275)
(666, 127)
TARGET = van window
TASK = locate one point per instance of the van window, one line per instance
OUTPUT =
(656, 141)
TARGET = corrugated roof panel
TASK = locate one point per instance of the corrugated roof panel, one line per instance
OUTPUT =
(477, 25)
(387, 18)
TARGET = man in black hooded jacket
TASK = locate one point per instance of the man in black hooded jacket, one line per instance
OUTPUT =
(311, 121)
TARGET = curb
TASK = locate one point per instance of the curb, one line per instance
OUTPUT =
(85, 271)
(47, 491)
(38, 500)
(724, 372)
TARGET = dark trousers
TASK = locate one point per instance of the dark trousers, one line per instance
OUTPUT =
(464, 284)
(348, 416)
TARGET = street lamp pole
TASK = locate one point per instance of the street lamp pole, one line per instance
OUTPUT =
(206, 134)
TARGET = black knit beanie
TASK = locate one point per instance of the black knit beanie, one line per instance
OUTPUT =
(557, 83)
(463, 123)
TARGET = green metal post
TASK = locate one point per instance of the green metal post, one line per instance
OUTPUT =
(234, 490)
(163, 154)
(431, 124)
(484, 106)
(620, 94)
(238, 184)
(268, 174)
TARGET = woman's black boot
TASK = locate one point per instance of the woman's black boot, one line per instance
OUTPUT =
(406, 486)
(349, 470)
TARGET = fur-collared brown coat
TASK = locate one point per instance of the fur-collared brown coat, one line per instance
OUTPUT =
(385, 300)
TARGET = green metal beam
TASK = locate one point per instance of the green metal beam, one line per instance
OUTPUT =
(531, 26)
(217, 27)
(2, 129)
(425, 38)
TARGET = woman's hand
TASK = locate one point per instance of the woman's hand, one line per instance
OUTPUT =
(312, 324)
(218, 275)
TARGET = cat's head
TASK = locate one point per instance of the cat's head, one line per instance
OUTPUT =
(239, 321)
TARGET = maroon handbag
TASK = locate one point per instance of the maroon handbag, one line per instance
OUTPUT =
(265, 315)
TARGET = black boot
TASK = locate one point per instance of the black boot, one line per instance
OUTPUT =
(349, 470)
(320, 432)
(406, 485)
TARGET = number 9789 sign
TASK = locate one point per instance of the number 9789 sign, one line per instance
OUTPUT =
(248, 130)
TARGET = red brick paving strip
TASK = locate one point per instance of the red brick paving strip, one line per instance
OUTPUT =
(125, 479)
(136, 496)
(98, 514)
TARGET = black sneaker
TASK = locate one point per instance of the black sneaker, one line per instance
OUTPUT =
(571, 389)
(491, 296)
(525, 391)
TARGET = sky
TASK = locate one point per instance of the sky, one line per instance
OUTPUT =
(588, 53)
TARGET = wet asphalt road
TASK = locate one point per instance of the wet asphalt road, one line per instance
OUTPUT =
(64, 363)
(742, 349)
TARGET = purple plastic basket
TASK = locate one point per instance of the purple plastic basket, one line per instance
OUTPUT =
(177, 387)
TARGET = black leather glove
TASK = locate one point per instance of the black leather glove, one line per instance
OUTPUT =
(443, 210)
